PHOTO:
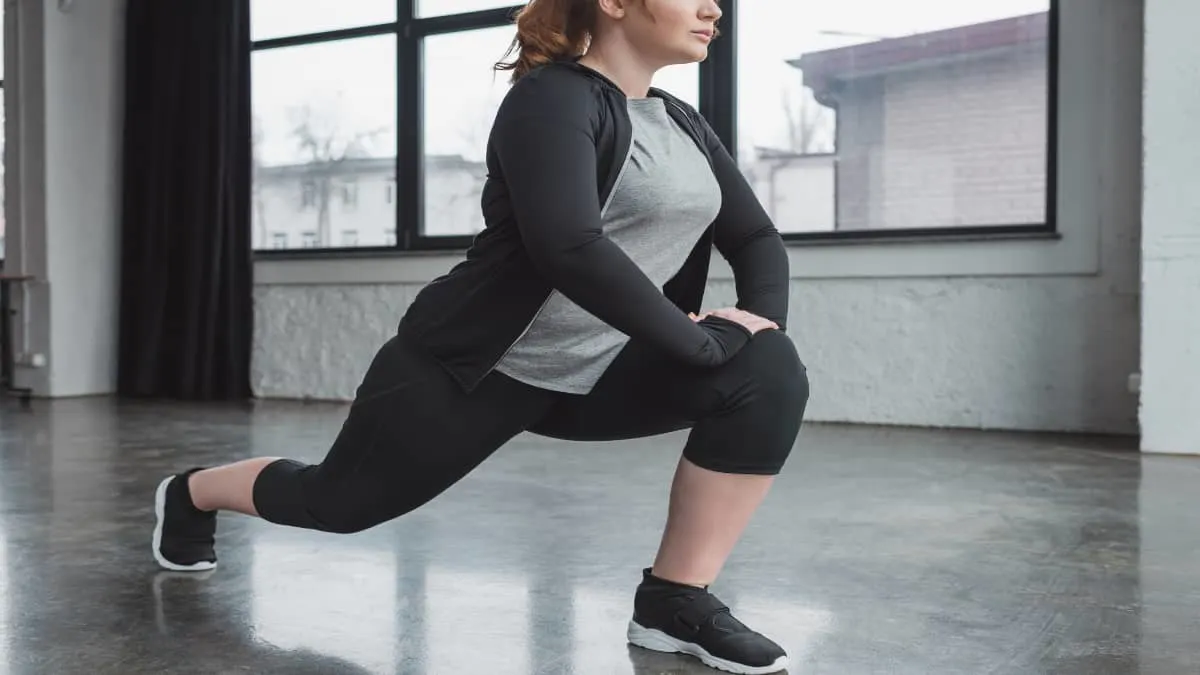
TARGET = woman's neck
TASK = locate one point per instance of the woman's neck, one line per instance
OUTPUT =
(619, 64)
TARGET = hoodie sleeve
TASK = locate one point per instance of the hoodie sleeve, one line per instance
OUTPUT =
(746, 237)
(545, 146)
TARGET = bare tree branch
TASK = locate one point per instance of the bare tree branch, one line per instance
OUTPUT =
(326, 145)
(808, 123)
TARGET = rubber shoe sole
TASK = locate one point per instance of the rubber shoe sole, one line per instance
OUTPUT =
(656, 640)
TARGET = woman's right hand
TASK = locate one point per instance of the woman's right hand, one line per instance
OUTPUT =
(751, 322)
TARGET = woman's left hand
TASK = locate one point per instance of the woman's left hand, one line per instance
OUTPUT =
(753, 322)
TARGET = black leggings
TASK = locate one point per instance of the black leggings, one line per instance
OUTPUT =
(412, 432)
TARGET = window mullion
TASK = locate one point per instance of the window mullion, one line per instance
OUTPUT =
(409, 178)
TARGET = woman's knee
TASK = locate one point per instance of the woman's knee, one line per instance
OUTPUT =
(349, 516)
(772, 366)
(311, 497)
(763, 396)
(350, 509)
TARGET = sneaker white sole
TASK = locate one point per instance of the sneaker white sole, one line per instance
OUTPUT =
(160, 501)
(656, 640)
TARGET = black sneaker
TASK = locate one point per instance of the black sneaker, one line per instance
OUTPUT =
(184, 536)
(671, 617)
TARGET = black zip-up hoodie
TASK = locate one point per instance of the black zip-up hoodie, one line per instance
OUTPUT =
(559, 140)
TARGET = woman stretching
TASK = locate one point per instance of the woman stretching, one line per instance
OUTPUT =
(575, 315)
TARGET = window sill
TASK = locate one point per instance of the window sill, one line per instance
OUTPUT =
(351, 266)
(962, 253)
(1034, 252)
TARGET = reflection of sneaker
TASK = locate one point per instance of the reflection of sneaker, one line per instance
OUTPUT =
(670, 617)
(184, 536)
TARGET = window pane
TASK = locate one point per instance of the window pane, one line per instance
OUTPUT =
(682, 81)
(285, 18)
(870, 114)
(325, 144)
(443, 7)
(462, 94)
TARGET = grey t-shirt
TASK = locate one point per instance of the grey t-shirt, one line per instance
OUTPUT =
(664, 199)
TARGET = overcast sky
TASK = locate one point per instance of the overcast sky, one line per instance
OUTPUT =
(350, 86)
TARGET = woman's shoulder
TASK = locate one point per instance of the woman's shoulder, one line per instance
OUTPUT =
(555, 89)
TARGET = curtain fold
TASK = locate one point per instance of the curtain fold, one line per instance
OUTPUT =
(186, 295)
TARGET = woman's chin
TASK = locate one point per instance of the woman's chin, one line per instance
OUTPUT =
(690, 56)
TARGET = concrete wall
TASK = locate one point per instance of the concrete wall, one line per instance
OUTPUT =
(64, 81)
(1171, 252)
(1000, 334)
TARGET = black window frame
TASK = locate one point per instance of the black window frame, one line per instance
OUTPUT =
(718, 88)
(3, 129)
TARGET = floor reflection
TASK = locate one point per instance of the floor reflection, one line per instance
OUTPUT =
(344, 606)
(197, 633)
(334, 600)
(5, 646)
(476, 621)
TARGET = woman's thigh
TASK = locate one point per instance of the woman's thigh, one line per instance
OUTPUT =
(641, 394)
(411, 433)
(644, 393)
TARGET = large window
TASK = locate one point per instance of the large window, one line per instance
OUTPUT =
(872, 117)
(851, 119)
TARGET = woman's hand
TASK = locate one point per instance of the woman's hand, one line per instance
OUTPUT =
(751, 322)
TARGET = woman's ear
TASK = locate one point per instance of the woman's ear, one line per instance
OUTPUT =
(613, 8)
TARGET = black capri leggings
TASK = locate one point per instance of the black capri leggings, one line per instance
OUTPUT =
(412, 432)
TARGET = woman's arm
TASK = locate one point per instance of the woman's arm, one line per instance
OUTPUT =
(544, 144)
(746, 237)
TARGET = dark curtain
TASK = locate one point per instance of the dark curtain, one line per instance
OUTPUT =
(186, 269)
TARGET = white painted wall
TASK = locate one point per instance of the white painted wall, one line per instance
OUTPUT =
(797, 192)
(1038, 335)
(68, 70)
(84, 60)
(1171, 232)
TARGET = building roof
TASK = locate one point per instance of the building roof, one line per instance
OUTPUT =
(823, 68)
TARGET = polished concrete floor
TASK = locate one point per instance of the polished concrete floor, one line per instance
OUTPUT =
(879, 551)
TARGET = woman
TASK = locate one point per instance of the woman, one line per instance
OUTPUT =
(576, 315)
